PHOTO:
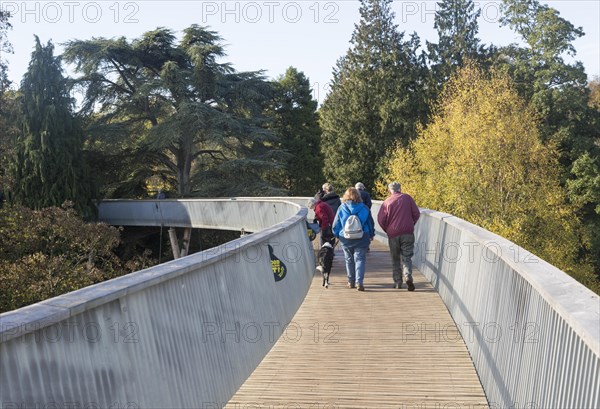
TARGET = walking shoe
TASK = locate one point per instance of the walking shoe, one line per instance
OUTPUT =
(351, 285)
(398, 284)
(360, 287)
(411, 286)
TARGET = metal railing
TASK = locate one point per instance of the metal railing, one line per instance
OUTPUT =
(186, 333)
(533, 332)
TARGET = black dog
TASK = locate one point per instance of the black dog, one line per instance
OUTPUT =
(325, 259)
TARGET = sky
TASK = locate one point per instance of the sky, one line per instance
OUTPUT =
(268, 35)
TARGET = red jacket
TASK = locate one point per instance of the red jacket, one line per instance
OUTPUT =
(324, 214)
(398, 215)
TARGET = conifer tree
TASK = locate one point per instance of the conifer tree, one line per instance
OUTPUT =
(375, 100)
(5, 47)
(456, 24)
(180, 111)
(295, 121)
(48, 166)
(7, 106)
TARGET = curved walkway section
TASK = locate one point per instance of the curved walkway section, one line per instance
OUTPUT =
(532, 331)
(173, 336)
(381, 348)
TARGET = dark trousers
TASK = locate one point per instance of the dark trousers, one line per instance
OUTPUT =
(402, 249)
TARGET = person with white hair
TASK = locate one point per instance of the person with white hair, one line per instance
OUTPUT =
(364, 195)
(330, 197)
(397, 217)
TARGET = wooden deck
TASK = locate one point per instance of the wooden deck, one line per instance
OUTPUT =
(382, 348)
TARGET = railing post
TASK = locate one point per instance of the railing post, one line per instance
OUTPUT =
(174, 242)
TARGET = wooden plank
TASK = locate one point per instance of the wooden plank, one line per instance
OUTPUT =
(381, 348)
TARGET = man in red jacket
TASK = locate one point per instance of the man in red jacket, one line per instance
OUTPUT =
(397, 217)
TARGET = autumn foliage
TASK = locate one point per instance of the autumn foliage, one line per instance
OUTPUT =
(48, 252)
(481, 159)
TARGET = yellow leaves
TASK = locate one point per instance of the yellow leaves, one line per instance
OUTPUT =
(481, 159)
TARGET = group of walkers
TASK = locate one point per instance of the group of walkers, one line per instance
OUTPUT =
(349, 221)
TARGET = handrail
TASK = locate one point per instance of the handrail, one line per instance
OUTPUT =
(533, 332)
(174, 335)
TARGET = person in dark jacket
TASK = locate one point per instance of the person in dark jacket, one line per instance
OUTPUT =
(330, 197)
(364, 195)
(355, 249)
(397, 217)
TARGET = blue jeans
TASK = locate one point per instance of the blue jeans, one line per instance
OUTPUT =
(355, 253)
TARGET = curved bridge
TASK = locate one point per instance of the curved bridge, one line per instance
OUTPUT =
(155, 338)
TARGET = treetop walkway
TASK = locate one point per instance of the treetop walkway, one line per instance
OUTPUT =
(247, 325)
(381, 348)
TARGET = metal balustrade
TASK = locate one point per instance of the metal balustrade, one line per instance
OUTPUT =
(176, 335)
(532, 331)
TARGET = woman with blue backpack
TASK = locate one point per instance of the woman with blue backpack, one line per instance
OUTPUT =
(353, 225)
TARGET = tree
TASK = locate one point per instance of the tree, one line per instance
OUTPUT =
(10, 112)
(559, 93)
(584, 191)
(557, 90)
(375, 100)
(189, 116)
(7, 105)
(481, 159)
(594, 87)
(456, 24)
(5, 48)
(58, 253)
(295, 120)
(48, 166)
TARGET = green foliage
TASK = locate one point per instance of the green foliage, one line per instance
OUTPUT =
(560, 94)
(48, 252)
(594, 87)
(184, 115)
(376, 98)
(481, 159)
(5, 48)
(584, 191)
(48, 165)
(557, 90)
(7, 106)
(10, 111)
(456, 24)
(295, 121)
